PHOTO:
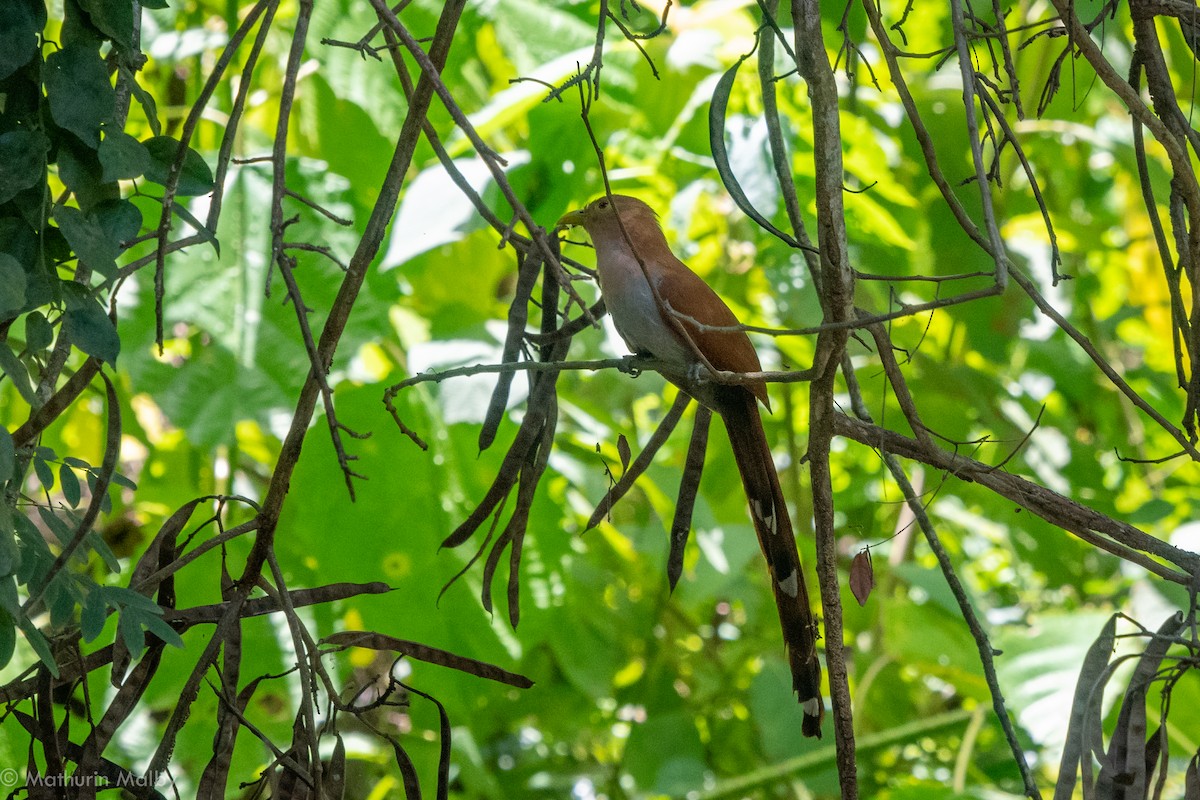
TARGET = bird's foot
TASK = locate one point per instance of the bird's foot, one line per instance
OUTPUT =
(632, 365)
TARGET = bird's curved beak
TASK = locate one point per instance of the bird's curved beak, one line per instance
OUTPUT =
(570, 218)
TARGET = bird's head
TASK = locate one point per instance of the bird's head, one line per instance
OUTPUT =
(601, 214)
(600, 219)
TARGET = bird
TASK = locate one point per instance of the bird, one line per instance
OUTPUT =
(688, 329)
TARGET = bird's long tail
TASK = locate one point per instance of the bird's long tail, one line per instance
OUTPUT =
(739, 408)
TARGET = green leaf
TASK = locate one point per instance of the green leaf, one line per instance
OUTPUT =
(10, 556)
(120, 480)
(77, 27)
(35, 557)
(38, 331)
(28, 532)
(121, 220)
(79, 168)
(154, 3)
(93, 614)
(11, 366)
(122, 156)
(60, 599)
(205, 233)
(144, 98)
(20, 22)
(129, 626)
(8, 455)
(113, 17)
(81, 97)
(9, 600)
(97, 543)
(128, 598)
(12, 286)
(22, 155)
(195, 177)
(61, 530)
(69, 481)
(160, 628)
(94, 246)
(88, 325)
(44, 472)
(105, 501)
(716, 137)
(8, 639)
(668, 770)
(1152, 511)
(40, 646)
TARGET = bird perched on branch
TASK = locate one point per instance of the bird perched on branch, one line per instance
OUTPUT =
(664, 310)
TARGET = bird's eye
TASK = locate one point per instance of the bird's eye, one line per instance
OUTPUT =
(602, 204)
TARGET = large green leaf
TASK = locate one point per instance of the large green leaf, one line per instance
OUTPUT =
(88, 324)
(20, 23)
(122, 156)
(195, 176)
(80, 94)
(12, 286)
(22, 161)
(95, 247)
(113, 17)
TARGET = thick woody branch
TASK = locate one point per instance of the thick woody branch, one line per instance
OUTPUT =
(837, 291)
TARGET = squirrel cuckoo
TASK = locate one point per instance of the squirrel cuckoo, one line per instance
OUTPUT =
(677, 328)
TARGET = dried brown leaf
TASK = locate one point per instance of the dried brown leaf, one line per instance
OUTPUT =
(862, 576)
(623, 451)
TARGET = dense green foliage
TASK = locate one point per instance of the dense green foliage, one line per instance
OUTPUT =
(638, 692)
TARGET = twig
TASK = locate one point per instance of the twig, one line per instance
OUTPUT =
(1119, 538)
